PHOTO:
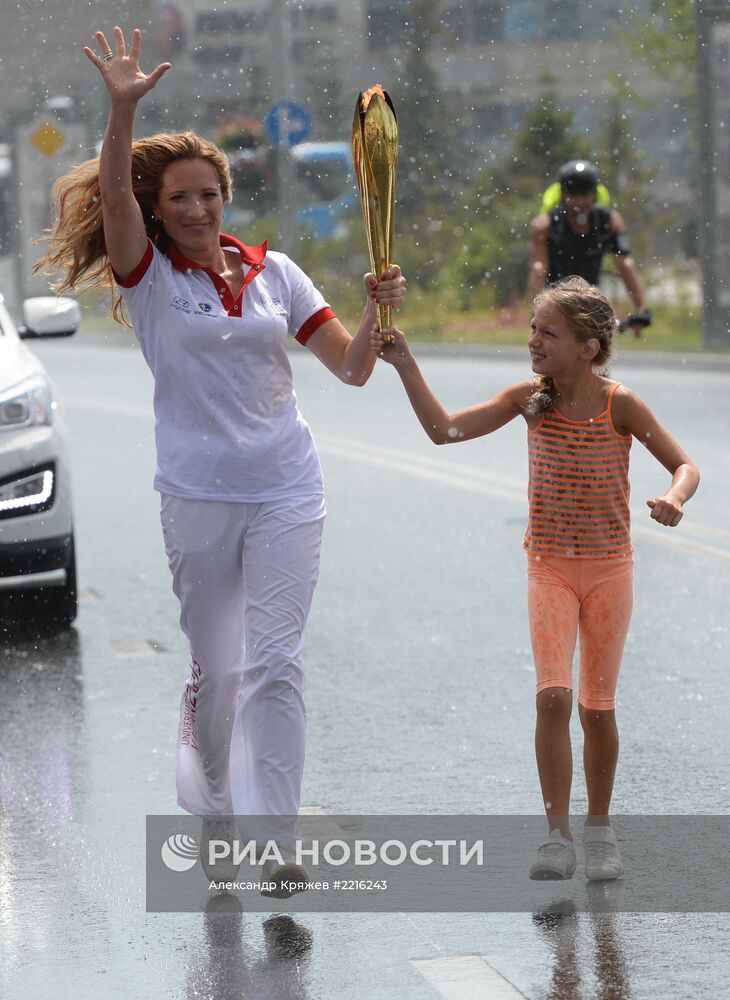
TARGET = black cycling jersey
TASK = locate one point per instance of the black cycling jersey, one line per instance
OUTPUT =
(573, 253)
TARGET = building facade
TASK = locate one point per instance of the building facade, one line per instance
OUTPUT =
(235, 58)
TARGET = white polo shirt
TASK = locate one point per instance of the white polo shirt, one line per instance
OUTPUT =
(227, 425)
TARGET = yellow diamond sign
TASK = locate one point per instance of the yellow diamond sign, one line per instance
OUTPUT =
(47, 139)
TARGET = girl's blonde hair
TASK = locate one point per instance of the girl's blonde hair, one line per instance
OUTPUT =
(590, 317)
(76, 246)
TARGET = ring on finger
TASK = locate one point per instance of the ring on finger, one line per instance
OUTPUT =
(107, 56)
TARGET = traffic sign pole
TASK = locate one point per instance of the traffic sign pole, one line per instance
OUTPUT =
(44, 149)
(281, 56)
(713, 49)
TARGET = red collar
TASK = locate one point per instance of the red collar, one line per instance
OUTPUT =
(249, 255)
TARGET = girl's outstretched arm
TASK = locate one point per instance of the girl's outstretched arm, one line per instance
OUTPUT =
(443, 427)
(633, 416)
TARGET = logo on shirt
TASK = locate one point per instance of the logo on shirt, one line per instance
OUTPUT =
(181, 304)
(205, 307)
(273, 304)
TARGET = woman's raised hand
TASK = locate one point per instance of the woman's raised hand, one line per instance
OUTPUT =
(119, 69)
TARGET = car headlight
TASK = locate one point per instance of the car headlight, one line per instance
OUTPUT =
(29, 493)
(26, 404)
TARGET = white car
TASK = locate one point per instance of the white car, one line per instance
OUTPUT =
(37, 559)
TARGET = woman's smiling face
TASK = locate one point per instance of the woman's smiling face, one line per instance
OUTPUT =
(190, 204)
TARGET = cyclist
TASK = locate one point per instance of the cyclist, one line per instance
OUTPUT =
(574, 231)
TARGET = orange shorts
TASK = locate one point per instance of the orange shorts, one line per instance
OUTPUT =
(590, 598)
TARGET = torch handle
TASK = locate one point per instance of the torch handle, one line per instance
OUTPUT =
(384, 314)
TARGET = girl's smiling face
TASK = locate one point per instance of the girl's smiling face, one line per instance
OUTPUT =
(554, 348)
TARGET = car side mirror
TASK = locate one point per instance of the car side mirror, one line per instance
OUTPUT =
(50, 316)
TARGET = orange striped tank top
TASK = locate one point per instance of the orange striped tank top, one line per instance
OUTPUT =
(579, 487)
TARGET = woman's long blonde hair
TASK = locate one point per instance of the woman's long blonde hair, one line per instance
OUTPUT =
(590, 317)
(76, 247)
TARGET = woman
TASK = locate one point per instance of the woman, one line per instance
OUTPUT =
(237, 469)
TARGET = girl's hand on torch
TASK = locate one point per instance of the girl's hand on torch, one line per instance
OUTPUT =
(120, 69)
(391, 345)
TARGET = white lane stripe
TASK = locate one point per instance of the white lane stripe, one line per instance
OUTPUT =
(706, 531)
(343, 447)
(124, 409)
(676, 541)
(438, 462)
(481, 483)
(405, 463)
(466, 977)
(470, 479)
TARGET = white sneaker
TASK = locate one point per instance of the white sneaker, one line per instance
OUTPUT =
(602, 856)
(218, 828)
(555, 858)
(287, 878)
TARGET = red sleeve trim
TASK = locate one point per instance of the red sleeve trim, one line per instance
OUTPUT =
(138, 273)
(314, 322)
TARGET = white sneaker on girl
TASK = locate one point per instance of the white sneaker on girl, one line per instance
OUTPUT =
(602, 856)
(555, 858)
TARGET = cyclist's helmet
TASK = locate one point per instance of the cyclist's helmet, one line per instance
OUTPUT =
(578, 177)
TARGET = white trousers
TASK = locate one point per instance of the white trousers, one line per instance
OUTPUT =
(244, 574)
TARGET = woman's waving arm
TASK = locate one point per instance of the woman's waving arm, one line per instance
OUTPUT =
(124, 231)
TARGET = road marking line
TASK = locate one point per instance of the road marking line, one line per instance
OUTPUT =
(678, 542)
(136, 646)
(438, 463)
(124, 409)
(469, 479)
(706, 531)
(466, 977)
(483, 483)
(405, 463)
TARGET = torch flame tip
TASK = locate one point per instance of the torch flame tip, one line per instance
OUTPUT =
(367, 95)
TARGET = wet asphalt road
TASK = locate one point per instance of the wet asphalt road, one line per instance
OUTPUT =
(420, 699)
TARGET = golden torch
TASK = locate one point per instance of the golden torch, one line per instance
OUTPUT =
(375, 157)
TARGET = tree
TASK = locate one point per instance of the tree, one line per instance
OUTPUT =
(545, 139)
(432, 154)
(625, 172)
(665, 40)
(253, 164)
(504, 198)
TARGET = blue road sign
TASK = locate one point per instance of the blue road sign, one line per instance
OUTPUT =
(287, 123)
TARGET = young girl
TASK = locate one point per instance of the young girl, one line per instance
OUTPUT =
(580, 564)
